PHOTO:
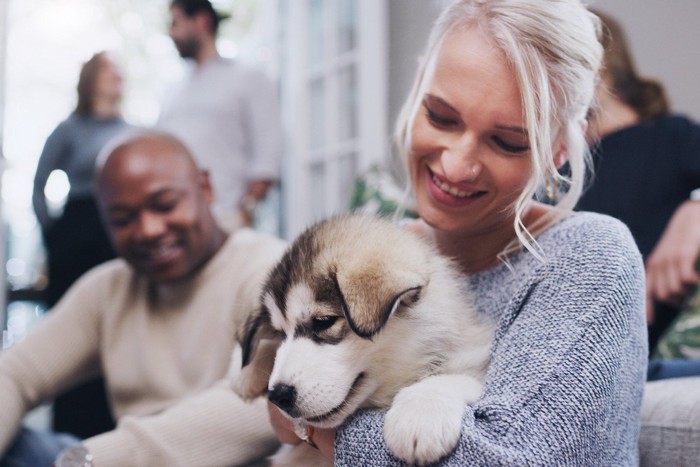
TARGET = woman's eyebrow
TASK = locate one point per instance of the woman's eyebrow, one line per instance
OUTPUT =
(516, 129)
(431, 99)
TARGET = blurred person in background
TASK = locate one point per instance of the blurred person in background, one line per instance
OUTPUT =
(226, 112)
(76, 240)
(647, 164)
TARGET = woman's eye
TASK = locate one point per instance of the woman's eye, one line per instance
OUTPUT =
(439, 120)
(322, 323)
(514, 148)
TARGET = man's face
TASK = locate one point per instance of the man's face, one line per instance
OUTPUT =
(156, 206)
(183, 32)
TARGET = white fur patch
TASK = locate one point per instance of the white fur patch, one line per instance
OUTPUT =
(300, 299)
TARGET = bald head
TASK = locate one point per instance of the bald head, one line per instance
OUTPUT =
(134, 146)
(156, 205)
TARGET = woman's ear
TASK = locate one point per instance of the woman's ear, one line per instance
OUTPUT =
(561, 155)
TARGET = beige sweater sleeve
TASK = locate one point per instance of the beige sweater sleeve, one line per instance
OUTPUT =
(213, 428)
(60, 351)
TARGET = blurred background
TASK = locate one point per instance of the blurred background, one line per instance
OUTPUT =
(343, 68)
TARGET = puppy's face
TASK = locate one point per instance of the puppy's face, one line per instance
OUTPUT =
(328, 301)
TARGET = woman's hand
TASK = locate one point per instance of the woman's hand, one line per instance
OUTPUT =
(282, 425)
(671, 266)
(323, 438)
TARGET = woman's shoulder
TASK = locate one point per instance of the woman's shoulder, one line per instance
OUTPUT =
(590, 236)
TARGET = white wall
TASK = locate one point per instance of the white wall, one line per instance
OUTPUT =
(664, 36)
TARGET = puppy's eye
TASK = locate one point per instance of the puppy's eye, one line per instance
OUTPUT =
(321, 323)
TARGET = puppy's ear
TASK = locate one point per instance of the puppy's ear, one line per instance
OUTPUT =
(370, 297)
(256, 327)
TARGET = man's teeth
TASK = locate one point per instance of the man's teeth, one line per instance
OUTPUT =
(452, 190)
(162, 250)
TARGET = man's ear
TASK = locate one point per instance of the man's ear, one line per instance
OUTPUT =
(205, 184)
(203, 22)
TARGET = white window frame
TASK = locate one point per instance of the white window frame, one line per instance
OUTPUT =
(371, 144)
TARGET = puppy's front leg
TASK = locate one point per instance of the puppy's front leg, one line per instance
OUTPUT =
(251, 381)
(425, 419)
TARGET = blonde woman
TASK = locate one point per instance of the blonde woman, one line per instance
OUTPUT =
(499, 103)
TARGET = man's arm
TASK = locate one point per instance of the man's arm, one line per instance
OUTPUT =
(62, 350)
(214, 427)
(671, 266)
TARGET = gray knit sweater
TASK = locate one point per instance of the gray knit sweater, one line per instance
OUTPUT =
(569, 358)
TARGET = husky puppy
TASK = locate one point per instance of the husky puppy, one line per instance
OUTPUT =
(360, 312)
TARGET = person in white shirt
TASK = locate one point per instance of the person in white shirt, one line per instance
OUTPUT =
(226, 112)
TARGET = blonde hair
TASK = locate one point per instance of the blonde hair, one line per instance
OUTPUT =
(555, 51)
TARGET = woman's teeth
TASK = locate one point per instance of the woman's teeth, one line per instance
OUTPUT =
(452, 190)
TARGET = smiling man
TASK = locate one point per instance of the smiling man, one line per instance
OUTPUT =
(158, 323)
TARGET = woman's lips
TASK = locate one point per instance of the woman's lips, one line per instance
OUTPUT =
(451, 195)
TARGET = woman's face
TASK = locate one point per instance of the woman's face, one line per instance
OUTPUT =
(109, 79)
(469, 157)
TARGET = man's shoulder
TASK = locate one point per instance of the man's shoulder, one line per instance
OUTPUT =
(250, 242)
(115, 270)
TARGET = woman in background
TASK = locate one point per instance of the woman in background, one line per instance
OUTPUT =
(75, 240)
(647, 164)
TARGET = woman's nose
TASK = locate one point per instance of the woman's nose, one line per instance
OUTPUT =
(460, 161)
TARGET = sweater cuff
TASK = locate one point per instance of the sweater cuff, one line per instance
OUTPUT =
(113, 449)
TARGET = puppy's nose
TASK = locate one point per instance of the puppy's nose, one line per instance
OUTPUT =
(283, 396)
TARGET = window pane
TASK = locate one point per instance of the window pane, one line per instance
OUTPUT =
(316, 38)
(347, 25)
(348, 175)
(318, 187)
(316, 114)
(347, 105)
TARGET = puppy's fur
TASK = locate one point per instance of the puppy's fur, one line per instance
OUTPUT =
(360, 312)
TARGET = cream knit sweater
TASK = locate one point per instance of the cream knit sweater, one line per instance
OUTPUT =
(164, 352)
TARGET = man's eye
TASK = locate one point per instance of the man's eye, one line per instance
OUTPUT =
(439, 120)
(119, 222)
(165, 206)
(322, 323)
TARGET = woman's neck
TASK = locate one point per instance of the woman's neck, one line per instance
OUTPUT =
(106, 107)
(483, 250)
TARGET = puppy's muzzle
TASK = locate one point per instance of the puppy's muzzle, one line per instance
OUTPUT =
(284, 396)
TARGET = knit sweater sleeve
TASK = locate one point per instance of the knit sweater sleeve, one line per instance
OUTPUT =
(565, 383)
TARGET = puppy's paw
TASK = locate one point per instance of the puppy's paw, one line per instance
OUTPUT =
(425, 419)
(249, 382)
